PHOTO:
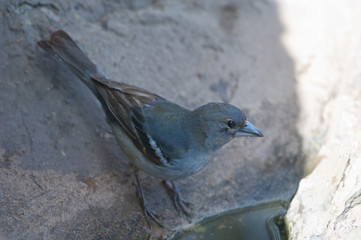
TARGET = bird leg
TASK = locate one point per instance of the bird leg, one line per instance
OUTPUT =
(148, 212)
(178, 201)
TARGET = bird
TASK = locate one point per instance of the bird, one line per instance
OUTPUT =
(159, 137)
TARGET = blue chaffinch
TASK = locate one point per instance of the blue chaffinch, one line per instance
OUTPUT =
(158, 136)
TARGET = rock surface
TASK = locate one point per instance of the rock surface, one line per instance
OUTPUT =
(325, 43)
(62, 175)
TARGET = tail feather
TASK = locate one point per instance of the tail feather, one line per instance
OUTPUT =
(62, 46)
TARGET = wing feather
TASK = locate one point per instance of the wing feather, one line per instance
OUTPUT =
(126, 103)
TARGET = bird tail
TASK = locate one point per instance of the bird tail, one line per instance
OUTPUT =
(65, 50)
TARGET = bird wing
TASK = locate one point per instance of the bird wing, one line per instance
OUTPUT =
(126, 103)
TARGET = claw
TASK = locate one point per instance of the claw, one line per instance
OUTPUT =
(178, 201)
(148, 212)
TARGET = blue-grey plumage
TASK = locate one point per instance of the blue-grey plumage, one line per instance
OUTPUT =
(187, 140)
(158, 136)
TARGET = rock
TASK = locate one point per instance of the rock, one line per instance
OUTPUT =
(327, 57)
(63, 177)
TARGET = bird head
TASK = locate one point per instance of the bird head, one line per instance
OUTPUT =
(215, 124)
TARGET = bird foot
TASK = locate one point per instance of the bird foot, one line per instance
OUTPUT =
(178, 201)
(148, 212)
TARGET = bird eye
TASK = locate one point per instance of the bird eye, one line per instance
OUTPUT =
(231, 124)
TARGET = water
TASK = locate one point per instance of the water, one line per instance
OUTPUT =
(251, 223)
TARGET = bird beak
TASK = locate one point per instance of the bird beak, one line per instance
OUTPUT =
(248, 130)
